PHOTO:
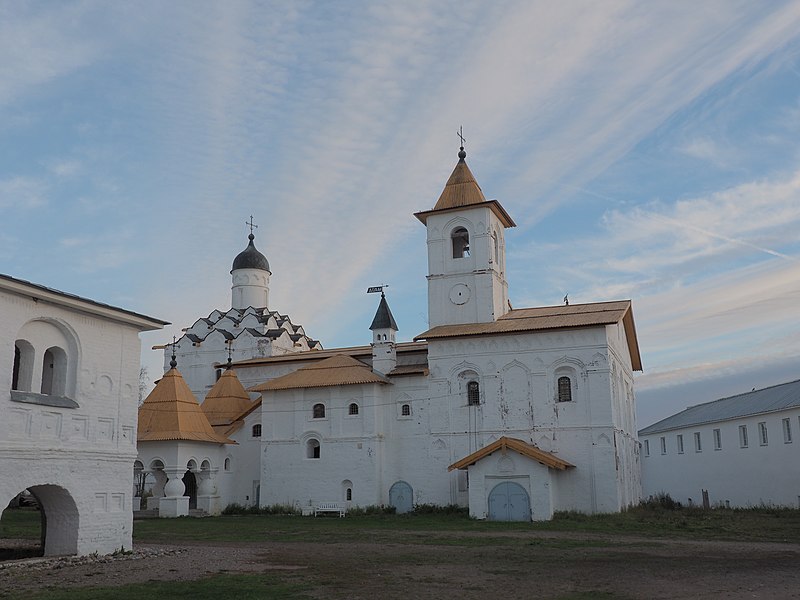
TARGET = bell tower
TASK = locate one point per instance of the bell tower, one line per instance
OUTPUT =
(466, 252)
(250, 276)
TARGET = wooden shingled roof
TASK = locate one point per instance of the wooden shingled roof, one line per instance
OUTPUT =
(462, 190)
(227, 400)
(339, 369)
(550, 317)
(171, 412)
(508, 443)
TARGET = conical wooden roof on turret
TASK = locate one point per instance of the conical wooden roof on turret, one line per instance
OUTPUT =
(171, 412)
(227, 400)
(461, 191)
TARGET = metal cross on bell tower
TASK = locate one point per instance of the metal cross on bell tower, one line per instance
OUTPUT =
(251, 225)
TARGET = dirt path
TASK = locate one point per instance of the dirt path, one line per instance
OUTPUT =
(456, 565)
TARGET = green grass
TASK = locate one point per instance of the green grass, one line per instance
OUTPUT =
(775, 525)
(21, 523)
(241, 587)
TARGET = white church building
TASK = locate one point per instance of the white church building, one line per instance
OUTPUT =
(514, 413)
(68, 399)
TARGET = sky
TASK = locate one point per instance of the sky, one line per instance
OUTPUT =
(646, 150)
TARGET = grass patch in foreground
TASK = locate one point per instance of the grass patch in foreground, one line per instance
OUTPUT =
(773, 525)
(241, 587)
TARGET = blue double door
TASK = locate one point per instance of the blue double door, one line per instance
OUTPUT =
(508, 501)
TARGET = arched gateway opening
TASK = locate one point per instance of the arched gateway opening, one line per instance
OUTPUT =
(57, 517)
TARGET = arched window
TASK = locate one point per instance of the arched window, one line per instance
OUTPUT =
(349, 494)
(54, 372)
(405, 410)
(257, 430)
(318, 412)
(564, 389)
(460, 239)
(227, 464)
(312, 448)
(353, 409)
(473, 393)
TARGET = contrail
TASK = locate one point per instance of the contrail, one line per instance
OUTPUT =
(678, 223)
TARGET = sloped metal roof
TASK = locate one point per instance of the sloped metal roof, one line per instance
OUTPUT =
(383, 317)
(770, 399)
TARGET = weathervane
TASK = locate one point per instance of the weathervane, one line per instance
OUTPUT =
(377, 288)
(230, 350)
(566, 299)
(251, 225)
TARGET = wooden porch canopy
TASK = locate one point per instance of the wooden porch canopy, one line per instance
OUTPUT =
(507, 443)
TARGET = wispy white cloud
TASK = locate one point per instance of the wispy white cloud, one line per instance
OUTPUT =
(22, 192)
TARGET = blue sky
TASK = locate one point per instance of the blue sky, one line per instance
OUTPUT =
(646, 150)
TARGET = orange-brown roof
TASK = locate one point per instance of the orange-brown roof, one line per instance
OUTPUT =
(551, 317)
(463, 190)
(171, 412)
(318, 355)
(508, 443)
(227, 400)
(336, 370)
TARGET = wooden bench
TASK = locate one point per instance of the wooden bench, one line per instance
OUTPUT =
(330, 507)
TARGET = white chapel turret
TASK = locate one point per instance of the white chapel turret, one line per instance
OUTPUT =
(250, 278)
(384, 331)
(466, 253)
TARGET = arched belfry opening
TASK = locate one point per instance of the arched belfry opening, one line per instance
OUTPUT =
(460, 241)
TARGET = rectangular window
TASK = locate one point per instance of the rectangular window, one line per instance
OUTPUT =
(717, 439)
(663, 445)
(647, 447)
(787, 431)
(743, 436)
(762, 434)
(698, 445)
(680, 443)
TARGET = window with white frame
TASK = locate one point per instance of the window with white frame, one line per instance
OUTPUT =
(679, 442)
(318, 411)
(257, 430)
(743, 443)
(405, 410)
(787, 431)
(473, 393)
(717, 439)
(352, 409)
(663, 445)
(763, 439)
(698, 443)
(647, 447)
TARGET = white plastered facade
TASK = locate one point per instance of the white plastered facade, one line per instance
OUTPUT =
(69, 413)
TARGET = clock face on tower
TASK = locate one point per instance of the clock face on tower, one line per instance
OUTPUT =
(459, 294)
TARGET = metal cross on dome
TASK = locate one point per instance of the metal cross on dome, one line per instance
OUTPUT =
(460, 134)
(250, 224)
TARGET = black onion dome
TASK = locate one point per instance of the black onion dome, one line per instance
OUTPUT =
(250, 258)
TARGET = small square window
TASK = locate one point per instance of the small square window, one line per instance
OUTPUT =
(405, 410)
(352, 409)
(257, 430)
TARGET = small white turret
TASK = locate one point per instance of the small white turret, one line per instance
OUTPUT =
(384, 330)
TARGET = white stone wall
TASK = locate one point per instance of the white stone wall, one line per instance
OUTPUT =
(79, 458)
(759, 474)
(517, 375)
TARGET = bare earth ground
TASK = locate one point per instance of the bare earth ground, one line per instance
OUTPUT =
(454, 565)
